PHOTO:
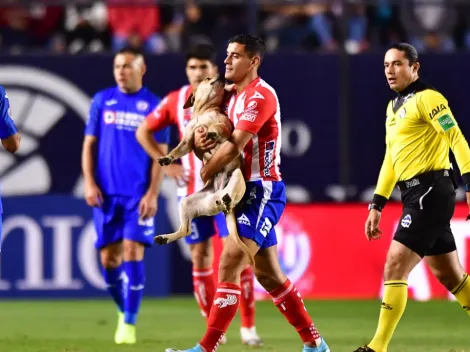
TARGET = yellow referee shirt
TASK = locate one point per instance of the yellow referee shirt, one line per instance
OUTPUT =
(420, 129)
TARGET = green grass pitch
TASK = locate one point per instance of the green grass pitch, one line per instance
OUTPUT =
(88, 326)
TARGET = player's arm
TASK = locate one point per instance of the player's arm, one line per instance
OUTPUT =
(435, 110)
(162, 140)
(157, 120)
(145, 137)
(259, 108)
(8, 132)
(227, 152)
(148, 203)
(93, 194)
(385, 183)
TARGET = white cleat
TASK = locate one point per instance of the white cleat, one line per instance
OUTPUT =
(223, 339)
(250, 337)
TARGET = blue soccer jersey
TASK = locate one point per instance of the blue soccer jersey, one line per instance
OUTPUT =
(7, 126)
(122, 165)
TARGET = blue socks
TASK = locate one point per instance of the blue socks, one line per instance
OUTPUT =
(135, 272)
(115, 284)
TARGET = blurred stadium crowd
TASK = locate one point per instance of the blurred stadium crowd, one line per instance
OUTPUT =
(326, 26)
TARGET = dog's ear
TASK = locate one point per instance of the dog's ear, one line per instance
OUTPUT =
(190, 102)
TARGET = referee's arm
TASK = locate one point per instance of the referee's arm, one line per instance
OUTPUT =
(386, 181)
(445, 124)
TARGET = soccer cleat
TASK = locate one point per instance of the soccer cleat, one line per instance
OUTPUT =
(223, 339)
(364, 349)
(125, 333)
(197, 348)
(250, 337)
(322, 348)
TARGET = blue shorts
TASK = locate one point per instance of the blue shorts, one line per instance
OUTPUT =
(204, 227)
(118, 219)
(1, 223)
(261, 209)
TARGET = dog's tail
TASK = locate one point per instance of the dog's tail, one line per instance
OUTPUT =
(232, 228)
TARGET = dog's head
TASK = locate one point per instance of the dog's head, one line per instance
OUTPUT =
(209, 93)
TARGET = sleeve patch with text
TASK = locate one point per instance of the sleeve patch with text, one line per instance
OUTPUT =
(446, 122)
(438, 109)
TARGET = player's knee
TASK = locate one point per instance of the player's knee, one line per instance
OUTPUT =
(201, 255)
(110, 260)
(133, 251)
(449, 279)
(231, 264)
(396, 269)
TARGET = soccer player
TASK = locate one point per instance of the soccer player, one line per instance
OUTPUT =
(122, 185)
(255, 112)
(8, 134)
(200, 64)
(420, 129)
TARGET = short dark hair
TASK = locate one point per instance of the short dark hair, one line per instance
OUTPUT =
(253, 45)
(201, 52)
(129, 50)
(410, 51)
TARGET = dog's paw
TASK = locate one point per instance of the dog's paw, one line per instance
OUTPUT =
(227, 200)
(164, 160)
(212, 135)
(160, 240)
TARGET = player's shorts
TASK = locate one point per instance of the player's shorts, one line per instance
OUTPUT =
(204, 227)
(1, 232)
(428, 206)
(260, 210)
(118, 219)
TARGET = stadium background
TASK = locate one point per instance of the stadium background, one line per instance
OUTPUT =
(333, 97)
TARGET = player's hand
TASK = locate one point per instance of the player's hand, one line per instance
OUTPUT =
(372, 225)
(178, 172)
(93, 195)
(201, 143)
(148, 206)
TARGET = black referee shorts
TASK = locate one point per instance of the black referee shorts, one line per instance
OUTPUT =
(425, 223)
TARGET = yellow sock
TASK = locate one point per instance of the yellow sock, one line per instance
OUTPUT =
(393, 306)
(462, 293)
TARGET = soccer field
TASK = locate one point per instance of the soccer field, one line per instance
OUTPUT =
(88, 326)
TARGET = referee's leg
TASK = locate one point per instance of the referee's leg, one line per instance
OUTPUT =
(448, 270)
(399, 263)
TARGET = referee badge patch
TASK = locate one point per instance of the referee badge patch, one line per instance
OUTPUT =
(446, 122)
(406, 221)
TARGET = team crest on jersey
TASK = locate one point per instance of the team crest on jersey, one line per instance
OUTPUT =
(109, 116)
(142, 105)
(402, 113)
(406, 221)
(188, 114)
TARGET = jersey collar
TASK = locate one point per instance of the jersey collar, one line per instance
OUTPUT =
(414, 87)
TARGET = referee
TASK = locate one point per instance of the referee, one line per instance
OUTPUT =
(420, 129)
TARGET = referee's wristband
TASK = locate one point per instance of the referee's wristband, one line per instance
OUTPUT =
(379, 201)
(466, 181)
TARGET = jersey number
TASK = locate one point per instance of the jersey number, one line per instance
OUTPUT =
(266, 227)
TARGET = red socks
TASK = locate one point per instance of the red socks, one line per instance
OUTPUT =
(204, 289)
(225, 306)
(289, 302)
(247, 300)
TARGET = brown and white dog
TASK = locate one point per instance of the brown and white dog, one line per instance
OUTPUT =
(226, 189)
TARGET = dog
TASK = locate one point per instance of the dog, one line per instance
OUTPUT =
(226, 189)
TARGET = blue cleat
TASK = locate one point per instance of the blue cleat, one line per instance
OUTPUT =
(322, 348)
(197, 348)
